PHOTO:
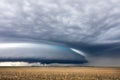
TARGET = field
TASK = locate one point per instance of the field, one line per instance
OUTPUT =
(59, 73)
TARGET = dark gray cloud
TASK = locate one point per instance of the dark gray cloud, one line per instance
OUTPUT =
(65, 20)
(91, 26)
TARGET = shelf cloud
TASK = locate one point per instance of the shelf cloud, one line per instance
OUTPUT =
(39, 53)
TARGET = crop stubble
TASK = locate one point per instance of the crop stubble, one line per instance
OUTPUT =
(59, 73)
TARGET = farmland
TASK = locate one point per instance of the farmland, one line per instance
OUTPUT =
(59, 73)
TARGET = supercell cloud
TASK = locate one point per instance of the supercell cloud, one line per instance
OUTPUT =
(39, 52)
(90, 26)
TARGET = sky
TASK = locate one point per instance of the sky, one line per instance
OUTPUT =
(89, 28)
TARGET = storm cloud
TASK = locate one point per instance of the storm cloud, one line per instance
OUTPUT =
(39, 52)
(91, 26)
(64, 20)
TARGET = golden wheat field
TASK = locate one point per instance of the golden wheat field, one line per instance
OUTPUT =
(59, 73)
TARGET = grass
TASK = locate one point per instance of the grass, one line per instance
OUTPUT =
(59, 73)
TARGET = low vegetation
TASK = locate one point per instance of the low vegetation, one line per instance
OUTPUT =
(59, 73)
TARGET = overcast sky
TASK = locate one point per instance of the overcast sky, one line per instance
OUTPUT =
(90, 26)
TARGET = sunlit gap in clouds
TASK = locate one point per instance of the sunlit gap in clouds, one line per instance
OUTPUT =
(14, 45)
(78, 51)
(20, 64)
(23, 45)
